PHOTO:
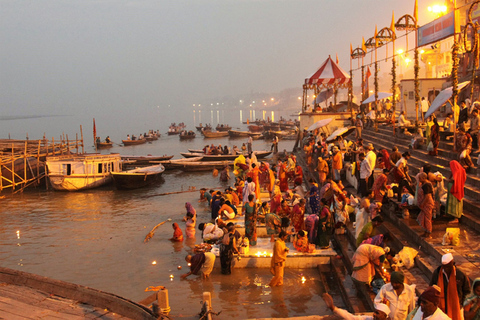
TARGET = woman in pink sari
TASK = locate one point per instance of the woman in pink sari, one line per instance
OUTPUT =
(426, 204)
(282, 176)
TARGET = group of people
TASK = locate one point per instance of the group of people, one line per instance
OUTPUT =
(449, 296)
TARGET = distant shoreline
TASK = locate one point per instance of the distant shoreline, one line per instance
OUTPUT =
(7, 118)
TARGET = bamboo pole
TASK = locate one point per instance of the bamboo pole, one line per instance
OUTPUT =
(38, 162)
(81, 134)
(76, 142)
(25, 164)
(1, 175)
(53, 146)
(13, 166)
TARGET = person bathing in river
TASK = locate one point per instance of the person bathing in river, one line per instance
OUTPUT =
(190, 221)
(200, 263)
(177, 233)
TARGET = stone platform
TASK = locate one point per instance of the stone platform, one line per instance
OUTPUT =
(259, 256)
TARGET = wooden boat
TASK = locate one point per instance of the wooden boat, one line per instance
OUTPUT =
(214, 134)
(83, 171)
(255, 128)
(223, 127)
(103, 145)
(169, 164)
(222, 157)
(243, 134)
(200, 165)
(143, 160)
(134, 142)
(151, 138)
(30, 294)
(184, 135)
(202, 128)
(172, 130)
(138, 178)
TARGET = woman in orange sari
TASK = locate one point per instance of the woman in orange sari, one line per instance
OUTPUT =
(282, 176)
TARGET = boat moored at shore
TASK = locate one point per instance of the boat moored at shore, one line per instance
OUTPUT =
(82, 171)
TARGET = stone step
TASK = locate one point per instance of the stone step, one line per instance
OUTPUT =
(420, 159)
(433, 248)
(445, 148)
(471, 204)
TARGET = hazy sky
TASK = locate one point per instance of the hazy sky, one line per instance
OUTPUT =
(101, 57)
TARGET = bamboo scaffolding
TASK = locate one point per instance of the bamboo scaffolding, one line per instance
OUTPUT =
(14, 153)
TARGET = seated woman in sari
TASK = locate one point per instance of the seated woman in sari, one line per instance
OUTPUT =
(301, 242)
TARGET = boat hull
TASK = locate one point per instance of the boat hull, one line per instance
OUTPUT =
(133, 142)
(78, 182)
(223, 157)
(126, 180)
(104, 145)
(211, 134)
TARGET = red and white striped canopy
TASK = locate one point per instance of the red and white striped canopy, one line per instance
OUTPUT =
(328, 75)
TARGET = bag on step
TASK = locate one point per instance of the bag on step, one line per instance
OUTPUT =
(406, 257)
(451, 237)
(430, 146)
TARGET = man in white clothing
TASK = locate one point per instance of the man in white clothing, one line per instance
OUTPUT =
(429, 300)
(398, 295)
(381, 311)
(425, 107)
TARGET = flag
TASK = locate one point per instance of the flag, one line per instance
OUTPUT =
(368, 74)
(337, 58)
(392, 26)
(94, 132)
(351, 50)
(375, 36)
(364, 48)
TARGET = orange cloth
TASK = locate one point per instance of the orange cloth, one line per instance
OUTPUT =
(453, 303)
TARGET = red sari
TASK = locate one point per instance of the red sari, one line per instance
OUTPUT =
(298, 175)
(297, 217)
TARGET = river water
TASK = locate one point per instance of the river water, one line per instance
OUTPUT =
(95, 238)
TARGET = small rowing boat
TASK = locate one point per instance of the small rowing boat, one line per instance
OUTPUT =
(243, 134)
(222, 157)
(104, 145)
(143, 160)
(133, 142)
(138, 177)
(214, 134)
(200, 165)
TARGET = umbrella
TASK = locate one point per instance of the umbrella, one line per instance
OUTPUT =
(319, 124)
(341, 132)
(443, 97)
(381, 95)
(324, 95)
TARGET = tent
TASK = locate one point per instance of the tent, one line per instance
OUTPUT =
(320, 124)
(443, 97)
(381, 96)
(328, 75)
